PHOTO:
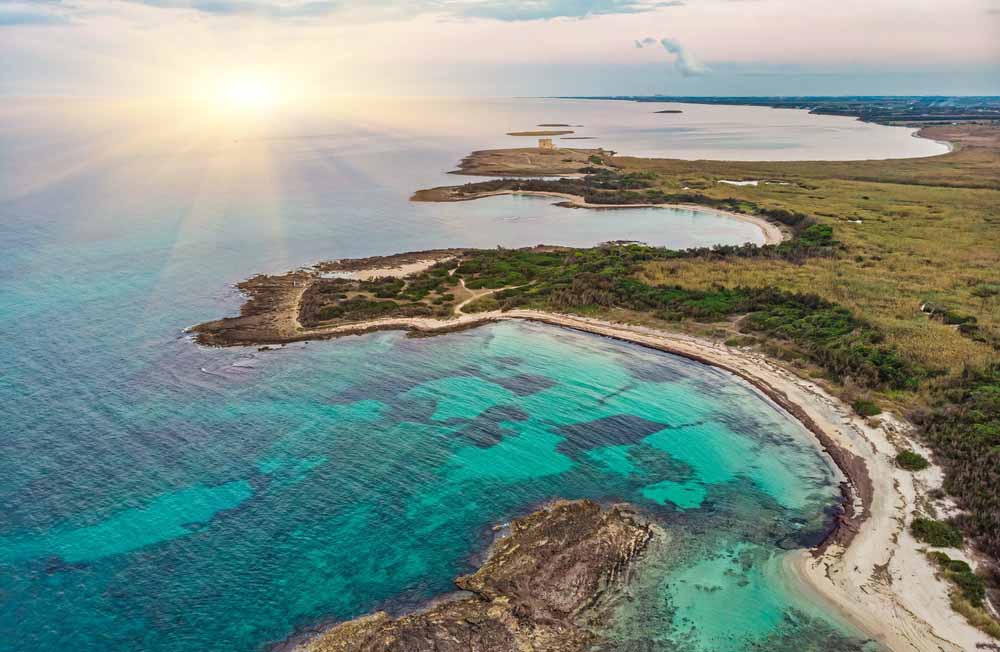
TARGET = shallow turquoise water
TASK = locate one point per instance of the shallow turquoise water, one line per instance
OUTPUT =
(156, 496)
(273, 494)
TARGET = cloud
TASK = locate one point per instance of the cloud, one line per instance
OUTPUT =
(549, 9)
(264, 8)
(21, 14)
(502, 10)
(687, 64)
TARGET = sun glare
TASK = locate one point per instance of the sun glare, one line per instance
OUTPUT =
(248, 93)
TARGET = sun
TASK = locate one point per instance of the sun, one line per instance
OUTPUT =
(249, 93)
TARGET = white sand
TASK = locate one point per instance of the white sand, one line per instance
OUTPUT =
(399, 271)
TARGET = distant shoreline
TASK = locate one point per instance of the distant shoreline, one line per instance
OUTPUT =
(892, 111)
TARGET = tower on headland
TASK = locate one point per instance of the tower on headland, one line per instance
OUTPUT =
(545, 143)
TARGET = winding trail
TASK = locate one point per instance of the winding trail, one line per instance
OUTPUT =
(477, 295)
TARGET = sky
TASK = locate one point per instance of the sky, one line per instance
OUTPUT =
(154, 48)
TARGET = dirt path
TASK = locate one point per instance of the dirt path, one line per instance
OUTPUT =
(459, 312)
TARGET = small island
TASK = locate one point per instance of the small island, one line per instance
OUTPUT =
(543, 132)
(550, 585)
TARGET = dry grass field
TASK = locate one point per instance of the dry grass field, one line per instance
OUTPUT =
(913, 231)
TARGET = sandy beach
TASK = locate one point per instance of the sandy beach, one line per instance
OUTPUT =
(871, 572)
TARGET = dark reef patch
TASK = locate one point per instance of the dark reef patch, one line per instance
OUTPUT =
(524, 384)
(507, 361)
(655, 463)
(609, 431)
(487, 428)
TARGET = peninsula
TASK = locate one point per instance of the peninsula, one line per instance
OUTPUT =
(541, 132)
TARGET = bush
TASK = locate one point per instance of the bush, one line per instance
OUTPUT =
(964, 431)
(866, 408)
(911, 461)
(972, 586)
(936, 533)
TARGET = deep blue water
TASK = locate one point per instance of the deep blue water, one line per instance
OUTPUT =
(158, 496)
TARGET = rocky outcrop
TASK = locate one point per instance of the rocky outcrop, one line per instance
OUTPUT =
(547, 587)
(275, 302)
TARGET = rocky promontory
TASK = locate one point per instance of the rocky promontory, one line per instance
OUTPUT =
(548, 586)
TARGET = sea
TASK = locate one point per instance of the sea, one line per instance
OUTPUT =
(158, 496)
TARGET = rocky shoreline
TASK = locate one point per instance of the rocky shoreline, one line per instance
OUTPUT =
(548, 586)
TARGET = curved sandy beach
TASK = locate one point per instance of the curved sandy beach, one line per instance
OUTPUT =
(873, 573)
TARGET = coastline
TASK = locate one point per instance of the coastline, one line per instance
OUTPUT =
(868, 571)
(772, 233)
(919, 132)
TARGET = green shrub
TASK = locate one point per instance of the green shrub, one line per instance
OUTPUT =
(911, 461)
(971, 586)
(817, 235)
(957, 566)
(936, 533)
(964, 430)
(866, 408)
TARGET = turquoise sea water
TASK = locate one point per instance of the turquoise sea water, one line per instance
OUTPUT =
(329, 479)
(156, 496)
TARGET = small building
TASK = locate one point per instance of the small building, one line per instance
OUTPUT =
(545, 143)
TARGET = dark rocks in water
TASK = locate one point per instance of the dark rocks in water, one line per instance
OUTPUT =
(547, 587)
(487, 429)
(524, 384)
(608, 431)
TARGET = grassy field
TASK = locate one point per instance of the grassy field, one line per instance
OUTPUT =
(914, 231)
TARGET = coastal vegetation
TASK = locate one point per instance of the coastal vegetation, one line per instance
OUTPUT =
(603, 279)
(963, 426)
(865, 407)
(425, 294)
(911, 461)
(936, 533)
(968, 597)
